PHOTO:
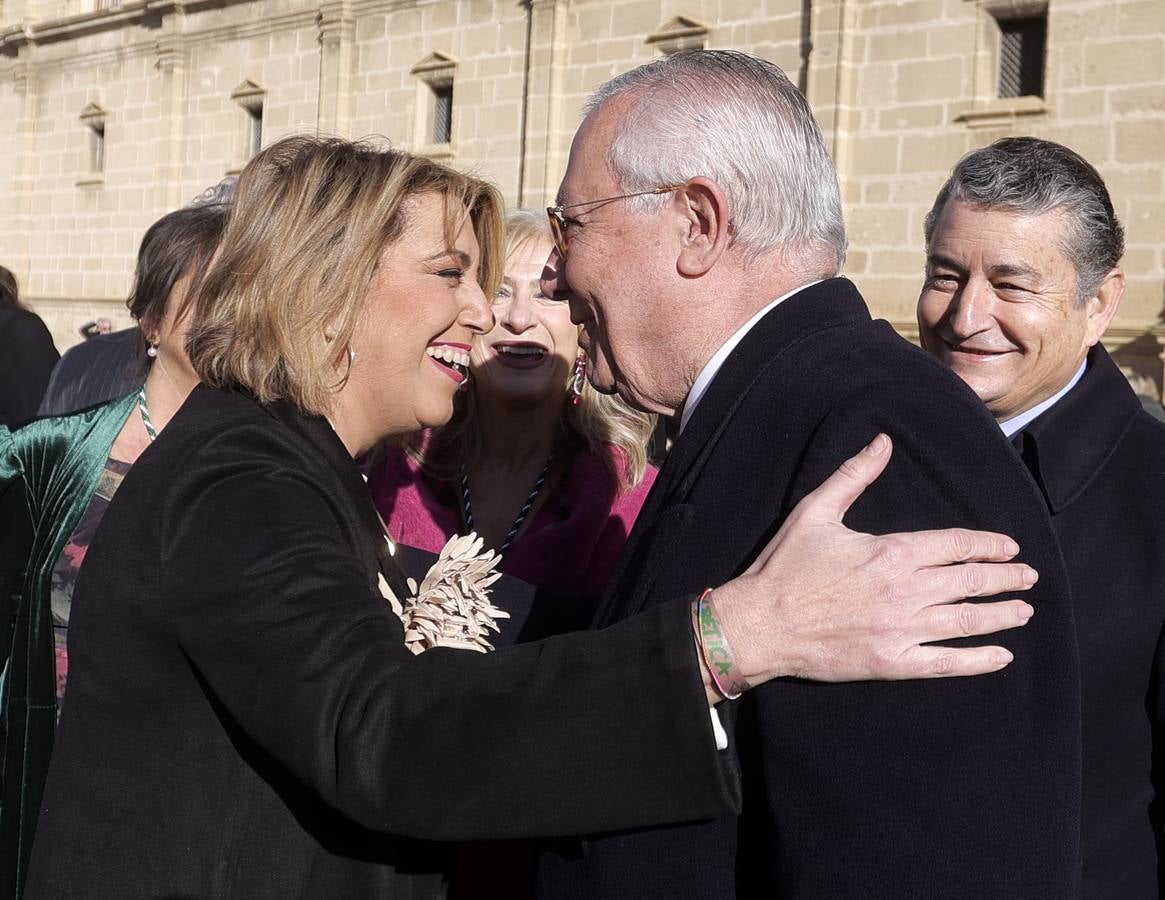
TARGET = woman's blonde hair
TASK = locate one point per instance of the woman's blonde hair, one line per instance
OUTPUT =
(603, 422)
(309, 221)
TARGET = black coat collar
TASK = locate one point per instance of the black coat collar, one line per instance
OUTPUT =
(317, 431)
(1067, 446)
(824, 305)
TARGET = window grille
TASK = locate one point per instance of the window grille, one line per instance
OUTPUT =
(1021, 56)
(254, 127)
(97, 147)
(442, 113)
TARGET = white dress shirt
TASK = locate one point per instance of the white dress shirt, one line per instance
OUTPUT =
(1015, 425)
(711, 367)
(695, 395)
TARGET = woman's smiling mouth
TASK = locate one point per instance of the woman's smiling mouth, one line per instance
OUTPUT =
(520, 354)
(453, 359)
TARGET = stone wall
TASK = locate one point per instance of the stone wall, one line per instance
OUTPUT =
(902, 88)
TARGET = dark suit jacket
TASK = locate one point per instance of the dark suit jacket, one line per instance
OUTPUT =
(27, 357)
(243, 719)
(1099, 461)
(97, 370)
(939, 788)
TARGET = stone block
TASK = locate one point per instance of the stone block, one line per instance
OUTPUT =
(903, 118)
(878, 226)
(406, 21)
(594, 21)
(1093, 141)
(877, 85)
(369, 27)
(635, 18)
(1140, 18)
(908, 12)
(1081, 104)
(1145, 221)
(786, 30)
(440, 16)
(917, 191)
(934, 152)
(898, 45)
(899, 262)
(1134, 101)
(875, 155)
(1125, 62)
(891, 296)
(1128, 181)
(932, 79)
(856, 262)
(1140, 140)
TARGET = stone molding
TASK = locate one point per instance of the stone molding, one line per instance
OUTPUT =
(679, 33)
(146, 13)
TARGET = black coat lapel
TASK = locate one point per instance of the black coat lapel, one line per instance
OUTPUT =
(374, 545)
(1063, 457)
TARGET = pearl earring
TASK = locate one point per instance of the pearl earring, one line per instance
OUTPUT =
(152, 351)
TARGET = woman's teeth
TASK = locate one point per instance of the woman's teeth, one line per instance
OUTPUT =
(449, 355)
(522, 351)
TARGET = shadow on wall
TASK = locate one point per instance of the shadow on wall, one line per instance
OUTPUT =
(1140, 360)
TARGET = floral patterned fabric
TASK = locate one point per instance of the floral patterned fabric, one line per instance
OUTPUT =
(65, 572)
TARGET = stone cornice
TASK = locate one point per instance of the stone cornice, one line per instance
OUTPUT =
(336, 22)
(147, 13)
(306, 18)
(333, 18)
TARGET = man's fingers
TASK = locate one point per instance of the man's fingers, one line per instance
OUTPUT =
(925, 549)
(948, 662)
(958, 620)
(834, 496)
(946, 584)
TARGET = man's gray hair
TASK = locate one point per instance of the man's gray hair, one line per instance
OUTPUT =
(740, 122)
(1031, 176)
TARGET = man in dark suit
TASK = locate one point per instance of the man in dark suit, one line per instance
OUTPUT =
(1022, 278)
(699, 239)
(95, 371)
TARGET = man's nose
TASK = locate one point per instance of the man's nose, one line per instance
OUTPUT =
(972, 309)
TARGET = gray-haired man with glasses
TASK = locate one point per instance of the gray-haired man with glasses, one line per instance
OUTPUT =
(706, 284)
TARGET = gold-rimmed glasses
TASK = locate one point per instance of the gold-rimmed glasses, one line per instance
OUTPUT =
(558, 221)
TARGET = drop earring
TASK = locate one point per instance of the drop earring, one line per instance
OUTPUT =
(578, 379)
(152, 351)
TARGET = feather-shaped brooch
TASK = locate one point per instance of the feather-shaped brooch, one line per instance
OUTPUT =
(451, 607)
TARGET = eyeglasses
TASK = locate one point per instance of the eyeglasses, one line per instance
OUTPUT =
(558, 221)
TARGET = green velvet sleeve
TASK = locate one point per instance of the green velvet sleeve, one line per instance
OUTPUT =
(48, 472)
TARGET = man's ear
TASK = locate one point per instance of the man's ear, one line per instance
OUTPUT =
(705, 210)
(1102, 306)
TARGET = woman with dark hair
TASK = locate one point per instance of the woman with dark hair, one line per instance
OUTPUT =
(27, 354)
(248, 715)
(57, 477)
(9, 288)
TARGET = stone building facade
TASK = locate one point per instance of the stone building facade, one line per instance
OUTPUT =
(116, 111)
